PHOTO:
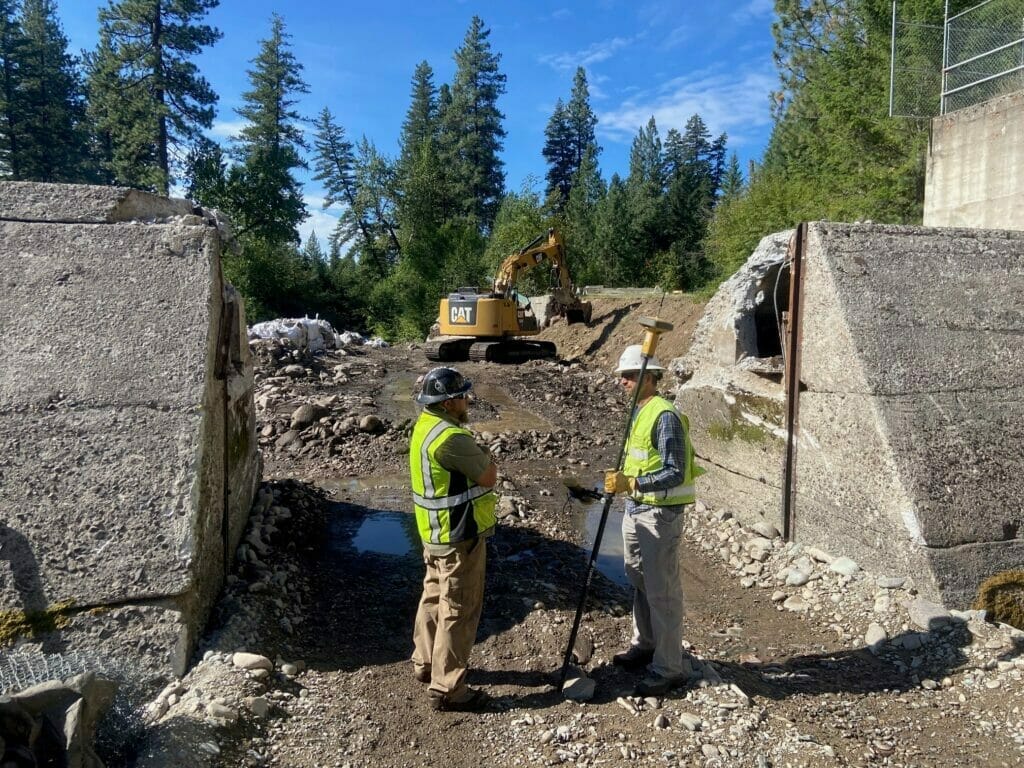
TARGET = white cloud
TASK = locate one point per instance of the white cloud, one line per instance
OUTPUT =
(729, 102)
(592, 54)
(227, 129)
(560, 13)
(319, 221)
(753, 10)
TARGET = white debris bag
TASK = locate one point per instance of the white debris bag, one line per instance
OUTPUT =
(316, 335)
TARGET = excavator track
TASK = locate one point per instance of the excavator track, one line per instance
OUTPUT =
(514, 351)
(447, 350)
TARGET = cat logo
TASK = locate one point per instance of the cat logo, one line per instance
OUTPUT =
(461, 314)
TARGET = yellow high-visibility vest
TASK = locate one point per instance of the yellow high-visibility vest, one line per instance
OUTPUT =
(642, 456)
(449, 506)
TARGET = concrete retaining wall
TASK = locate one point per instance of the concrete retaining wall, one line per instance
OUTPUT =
(128, 457)
(975, 175)
(911, 411)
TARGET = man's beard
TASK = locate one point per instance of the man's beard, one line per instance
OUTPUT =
(464, 417)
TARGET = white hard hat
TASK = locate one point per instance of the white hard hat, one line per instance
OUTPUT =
(631, 359)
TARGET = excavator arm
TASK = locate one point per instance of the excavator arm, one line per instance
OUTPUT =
(548, 248)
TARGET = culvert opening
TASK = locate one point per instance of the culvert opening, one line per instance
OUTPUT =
(760, 344)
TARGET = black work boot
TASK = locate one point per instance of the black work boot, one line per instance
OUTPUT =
(634, 659)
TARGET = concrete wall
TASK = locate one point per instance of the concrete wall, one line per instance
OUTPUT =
(975, 174)
(911, 414)
(128, 458)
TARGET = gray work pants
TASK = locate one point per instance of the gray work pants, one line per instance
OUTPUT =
(651, 538)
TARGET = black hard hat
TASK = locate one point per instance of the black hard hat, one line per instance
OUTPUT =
(442, 384)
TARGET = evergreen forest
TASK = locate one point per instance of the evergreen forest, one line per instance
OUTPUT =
(136, 112)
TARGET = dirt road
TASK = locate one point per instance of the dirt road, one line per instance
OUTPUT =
(337, 585)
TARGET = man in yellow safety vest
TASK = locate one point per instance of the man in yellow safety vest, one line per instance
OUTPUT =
(452, 482)
(657, 477)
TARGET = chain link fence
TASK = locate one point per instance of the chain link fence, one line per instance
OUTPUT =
(121, 732)
(915, 88)
(984, 53)
(977, 54)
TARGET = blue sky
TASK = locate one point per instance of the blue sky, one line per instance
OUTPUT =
(668, 59)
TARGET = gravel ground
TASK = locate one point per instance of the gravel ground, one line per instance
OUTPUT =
(799, 657)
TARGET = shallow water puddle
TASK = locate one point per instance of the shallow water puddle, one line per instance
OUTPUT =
(609, 558)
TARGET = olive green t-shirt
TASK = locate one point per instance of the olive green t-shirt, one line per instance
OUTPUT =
(459, 453)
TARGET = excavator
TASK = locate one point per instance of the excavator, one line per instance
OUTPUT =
(495, 325)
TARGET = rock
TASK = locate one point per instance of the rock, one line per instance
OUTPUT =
(221, 712)
(661, 721)
(306, 414)
(293, 371)
(778, 596)
(252, 661)
(287, 439)
(690, 722)
(547, 736)
(506, 508)
(819, 555)
(579, 688)
(797, 578)
(844, 566)
(928, 615)
(875, 636)
(584, 648)
(289, 669)
(796, 604)
(764, 528)
(370, 423)
(258, 706)
(891, 582)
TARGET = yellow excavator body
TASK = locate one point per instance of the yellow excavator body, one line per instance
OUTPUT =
(494, 325)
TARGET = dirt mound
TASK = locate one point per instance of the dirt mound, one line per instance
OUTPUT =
(615, 325)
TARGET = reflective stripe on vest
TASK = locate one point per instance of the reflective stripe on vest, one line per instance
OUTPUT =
(642, 457)
(449, 506)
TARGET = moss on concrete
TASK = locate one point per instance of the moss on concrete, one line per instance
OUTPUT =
(14, 624)
(1003, 597)
(738, 429)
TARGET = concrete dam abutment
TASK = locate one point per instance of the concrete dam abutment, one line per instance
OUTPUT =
(128, 461)
(889, 427)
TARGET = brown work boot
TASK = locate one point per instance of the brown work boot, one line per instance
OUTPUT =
(475, 701)
(422, 674)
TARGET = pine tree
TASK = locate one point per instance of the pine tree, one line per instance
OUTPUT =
(123, 120)
(645, 187)
(559, 154)
(53, 145)
(472, 128)
(732, 180)
(579, 220)
(569, 135)
(335, 169)
(12, 45)
(152, 42)
(267, 196)
(313, 253)
(420, 121)
(205, 175)
(582, 121)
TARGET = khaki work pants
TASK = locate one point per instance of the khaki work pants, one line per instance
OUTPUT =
(651, 540)
(447, 619)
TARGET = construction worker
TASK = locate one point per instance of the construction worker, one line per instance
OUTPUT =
(452, 482)
(657, 477)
